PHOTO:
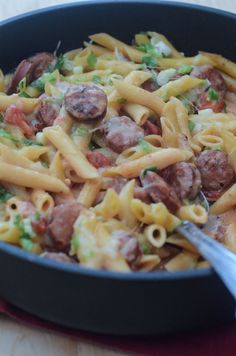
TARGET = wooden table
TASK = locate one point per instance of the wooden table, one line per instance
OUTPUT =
(18, 339)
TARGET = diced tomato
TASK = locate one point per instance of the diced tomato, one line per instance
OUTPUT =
(215, 105)
(15, 116)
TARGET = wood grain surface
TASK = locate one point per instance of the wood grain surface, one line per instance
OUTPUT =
(18, 339)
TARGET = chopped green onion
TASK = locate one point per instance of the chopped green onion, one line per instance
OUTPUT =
(26, 244)
(45, 78)
(145, 146)
(191, 125)
(150, 62)
(96, 79)
(82, 131)
(151, 169)
(213, 95)
(185, 69)
(27, 142)
(91, 60)
(5, 195)
(37, 216)
(121, 100)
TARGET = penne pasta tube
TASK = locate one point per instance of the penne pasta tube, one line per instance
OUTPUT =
(30, 179)
(178, 62)
(112, 43)
(118, 67)
(225, 65)
(161, 37)
(160, 159)
(89, 192)
(27, 105)
(138, 113)
(177, 87)
(139, 96)
(184, 260)
(230, 82)
(75, 157)
(225, 202)
(97, 50)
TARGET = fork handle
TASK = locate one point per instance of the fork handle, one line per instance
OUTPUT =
(222, 260)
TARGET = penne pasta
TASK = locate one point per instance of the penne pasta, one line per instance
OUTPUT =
(67, 148)
(160, 159)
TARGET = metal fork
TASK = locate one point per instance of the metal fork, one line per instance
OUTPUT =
(221, 259)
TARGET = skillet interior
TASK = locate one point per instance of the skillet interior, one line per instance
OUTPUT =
(110, 302)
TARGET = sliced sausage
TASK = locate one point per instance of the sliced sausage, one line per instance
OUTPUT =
(205, 103)
(160, 191)
(213, 75)
(140, 193)
(121, 133)
(129, 248)
(184, 178)
(47, 111)
(58, 256)
(151, 129)
(85, 102)
(31, 68)
(216, 173)
(40, 226)
(97, 159)
(15, 116)
(61, 225)
(150, 85)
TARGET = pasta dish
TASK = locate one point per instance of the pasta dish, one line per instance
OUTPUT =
(105, 150)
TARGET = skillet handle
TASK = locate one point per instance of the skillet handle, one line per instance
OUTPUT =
(222, 260)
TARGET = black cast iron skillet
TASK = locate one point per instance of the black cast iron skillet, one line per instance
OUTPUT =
(101, 301)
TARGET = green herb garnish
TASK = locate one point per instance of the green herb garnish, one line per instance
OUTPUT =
(191, 125)
(26, 244)
(91, 60)
(6, 134)
(151, 62)
(82, 131)
(27, 142)
(22, 87)
(213, 95)
(5, 195)
(37, 216)
(93, 146)
(146, 248)
(121, 100)
(151, 169)
(45, 78)
(185, 69)
(96, 79)
(62, 63)
(145, 146)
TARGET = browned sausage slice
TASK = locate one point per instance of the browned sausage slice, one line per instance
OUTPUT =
(216, 173)
(129, 248)
(85, 102)
(160, 191)
(31, 68)
(121, 133)
(97, 159)
(213, 75)
(61, 225)
(184, 178)
(151, 129)
(58, 256)
(47, 111)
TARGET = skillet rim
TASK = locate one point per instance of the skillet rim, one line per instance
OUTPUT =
(46, 263)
